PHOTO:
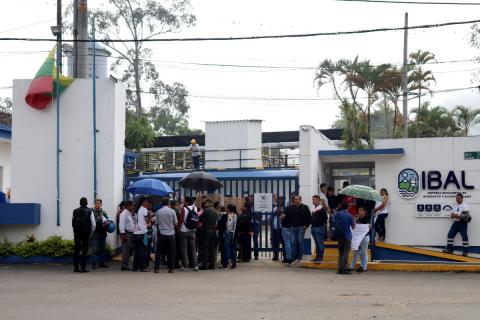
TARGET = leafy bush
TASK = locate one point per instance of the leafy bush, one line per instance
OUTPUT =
(7, 248)
(54, 246)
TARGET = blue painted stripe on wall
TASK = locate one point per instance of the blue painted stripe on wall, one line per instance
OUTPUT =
(366, 152)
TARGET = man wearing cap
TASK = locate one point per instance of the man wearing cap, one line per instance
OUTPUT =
(459, 225)
(196, 153)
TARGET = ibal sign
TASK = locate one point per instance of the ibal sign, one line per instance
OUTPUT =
(437, 199)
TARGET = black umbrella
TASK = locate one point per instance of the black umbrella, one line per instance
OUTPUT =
(200, 181)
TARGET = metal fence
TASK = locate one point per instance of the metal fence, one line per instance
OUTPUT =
(170, 160)
(236, 187)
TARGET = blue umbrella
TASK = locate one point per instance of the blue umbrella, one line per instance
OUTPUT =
(151, 187)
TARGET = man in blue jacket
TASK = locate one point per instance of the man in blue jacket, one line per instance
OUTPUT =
(343, 222)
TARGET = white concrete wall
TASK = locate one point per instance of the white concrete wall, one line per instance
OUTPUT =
(228, 135)
(5, 164)
(34, 154)
(310, 176)
(311, 141)
(442, 154)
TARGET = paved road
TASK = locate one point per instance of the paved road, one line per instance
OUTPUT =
(259, 290)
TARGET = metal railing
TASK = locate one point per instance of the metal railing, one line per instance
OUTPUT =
(170, 160)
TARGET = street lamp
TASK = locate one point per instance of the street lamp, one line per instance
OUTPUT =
(55, 30)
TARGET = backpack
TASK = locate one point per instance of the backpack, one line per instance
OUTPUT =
(465, 217)
(191, 222)
(337, 229)
(81, 220)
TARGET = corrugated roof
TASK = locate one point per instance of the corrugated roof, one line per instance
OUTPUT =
(228, 175)
(241, 120)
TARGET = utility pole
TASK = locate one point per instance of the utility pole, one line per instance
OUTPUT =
(405, 78)
(80, 36)
(58, 33)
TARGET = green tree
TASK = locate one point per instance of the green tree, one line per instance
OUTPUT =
(6, 105)
(139, 133)
(140, 20)
(391, 87)
(466, 118)
(433, 122)
(369, 79)
(329, 72)
(418, 78)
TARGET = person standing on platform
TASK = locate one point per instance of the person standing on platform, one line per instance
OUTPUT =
(83, 224)
(461, 217)
(99, 236)
(126, 227)
(381, 211)
(196, 153)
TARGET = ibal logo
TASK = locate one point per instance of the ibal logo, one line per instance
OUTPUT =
(408, 183)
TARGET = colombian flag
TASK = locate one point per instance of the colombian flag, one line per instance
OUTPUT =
(43, 87)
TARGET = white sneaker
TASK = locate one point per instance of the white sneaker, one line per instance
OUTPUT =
(294, 263)
(196, 268)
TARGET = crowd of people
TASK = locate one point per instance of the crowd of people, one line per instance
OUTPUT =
(182, 235)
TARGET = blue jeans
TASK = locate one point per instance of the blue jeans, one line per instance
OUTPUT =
(255, 239)
(100, 244)
(362, 252)
(458, 227)
(318, 234)
(298, 234)
(229, 250)
(287, 242)
(380, 225)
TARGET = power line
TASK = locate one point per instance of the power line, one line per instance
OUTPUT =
(295, 99)
(27, 25)
(416, 2)
(280, 36)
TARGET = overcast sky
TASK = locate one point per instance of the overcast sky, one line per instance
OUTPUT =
(32, 18)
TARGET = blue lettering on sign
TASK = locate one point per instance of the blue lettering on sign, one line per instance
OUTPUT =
(430, 180)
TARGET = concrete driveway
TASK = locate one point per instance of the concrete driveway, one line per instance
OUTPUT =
(258, 290)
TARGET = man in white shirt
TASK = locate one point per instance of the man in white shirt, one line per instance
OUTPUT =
(196, 153)
(458, 226)
(126, 227)
(139, 231)
(166, 222)
(187, 236)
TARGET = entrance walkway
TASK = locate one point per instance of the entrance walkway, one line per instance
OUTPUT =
(257, 290)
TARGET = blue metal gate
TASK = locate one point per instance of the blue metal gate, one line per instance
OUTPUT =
(240, 183)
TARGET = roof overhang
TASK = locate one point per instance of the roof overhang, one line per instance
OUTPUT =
(365, 154)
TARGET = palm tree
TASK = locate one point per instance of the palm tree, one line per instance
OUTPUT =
(392, 89)
(433, 122)
(327, 72)
(418, 78)
(354, 129)
(370, 79)
(466, 118)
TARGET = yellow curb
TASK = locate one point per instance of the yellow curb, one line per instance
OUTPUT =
(406, 267)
